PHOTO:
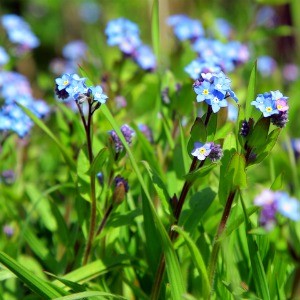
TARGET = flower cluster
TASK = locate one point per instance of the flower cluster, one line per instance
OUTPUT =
(15, 88)
(71, 86)
(212, 54)
(19, 33)
(185, 28)
(276, 202)
(210, 150)
(125, 34)
(273, 104)
(214, 89)
(128, 134)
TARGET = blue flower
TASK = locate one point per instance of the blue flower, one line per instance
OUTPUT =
(276, 202)
(266, 65)
(63, 82)
(201, 151)
(214, 88)
(98, 94)
(75, 50)
(185, 28)
(204, 91)
(145, 58)
(287, 206)
(221, 83)
(267, 104)
(217, 101)
(119, 30)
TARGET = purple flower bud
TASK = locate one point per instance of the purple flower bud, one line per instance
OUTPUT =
(8, 177)
(8, 230)
(244, 128)
(216, 152)
(121, 188)
(100, 178)
(280, 119)
(127, 132)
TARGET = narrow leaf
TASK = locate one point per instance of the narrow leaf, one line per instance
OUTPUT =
(85, 295)
(236, 171)
(98, 161)
(155, 27)
(200, 172)
(36, 284)
(173, 267)
(259, 276)
(50, 134)
(197, 260)
(251, 93)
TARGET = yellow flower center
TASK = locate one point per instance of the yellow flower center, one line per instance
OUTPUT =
(269, 109)
(279, 107)
(202, 150)
(205, 92)
(66, 82)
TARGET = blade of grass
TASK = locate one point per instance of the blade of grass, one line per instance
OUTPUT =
(173, 267)
(36, 284)
(155, 27)
(259, 276)
(197, 260)
(50, 134)
(84, 295)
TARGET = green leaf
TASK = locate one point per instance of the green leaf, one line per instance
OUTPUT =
(67, 156)
(191, 177)
(90, 294)
(198, 134)
(185, 157)
(225, 182)
(259, 276)
(197, 260)
(42, 205)
(153, 248)
(278, 182)
(237, 171)
(251, 93)
(173, 267)
(270, 143)
(93, 270)
(211, 126)
(36, 284)
(159, 187)
(98, 161)
(155, 27)
(258, 137)
(76, 287)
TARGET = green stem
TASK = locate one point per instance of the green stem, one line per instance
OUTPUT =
(172, 234)
(216, 246)
(104, 220)
(93, 189)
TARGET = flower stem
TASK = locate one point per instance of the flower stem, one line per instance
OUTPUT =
(172, 234)
(216, 245)
(104, 220)
(93, 189)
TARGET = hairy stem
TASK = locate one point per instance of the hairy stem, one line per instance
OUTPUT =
(216, 246)
(93, 189)
(104, 220)
(172, 234)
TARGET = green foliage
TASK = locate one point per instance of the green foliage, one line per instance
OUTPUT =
(180, 228)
